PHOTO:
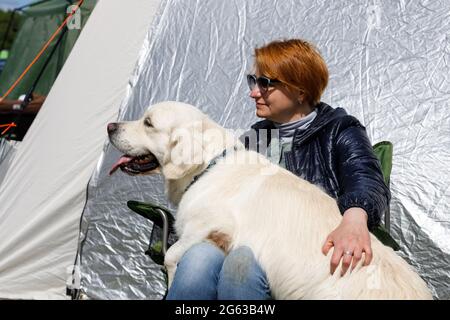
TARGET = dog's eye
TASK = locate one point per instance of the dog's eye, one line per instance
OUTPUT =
(148, 123)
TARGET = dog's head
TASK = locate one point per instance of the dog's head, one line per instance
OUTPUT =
(171, 136)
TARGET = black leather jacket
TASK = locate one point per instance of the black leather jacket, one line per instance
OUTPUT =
(334, 153)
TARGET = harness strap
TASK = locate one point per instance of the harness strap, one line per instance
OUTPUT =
(211, 164)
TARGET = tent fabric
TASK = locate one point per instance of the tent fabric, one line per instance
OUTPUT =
(388, 63)
(40, 22)
(389, 67)
(44, 190)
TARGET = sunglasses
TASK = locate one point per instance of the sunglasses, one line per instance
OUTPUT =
(262, 82)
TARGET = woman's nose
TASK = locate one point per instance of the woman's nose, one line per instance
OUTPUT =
(255, 92)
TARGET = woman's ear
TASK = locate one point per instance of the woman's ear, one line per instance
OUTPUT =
(185, 154)
(301, 97)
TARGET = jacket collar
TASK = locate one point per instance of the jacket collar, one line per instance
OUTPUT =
(325, 114)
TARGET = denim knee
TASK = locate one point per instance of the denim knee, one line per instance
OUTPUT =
(242, 277)
(197, 273)
(238, 265)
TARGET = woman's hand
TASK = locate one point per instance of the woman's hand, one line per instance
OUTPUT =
(350, 239)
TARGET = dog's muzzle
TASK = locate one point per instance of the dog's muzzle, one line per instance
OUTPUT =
(136, 165)
(132, 165)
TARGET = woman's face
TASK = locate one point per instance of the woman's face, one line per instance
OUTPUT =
(276, 104)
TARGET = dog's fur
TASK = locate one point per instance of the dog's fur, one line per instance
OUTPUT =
(250, 201)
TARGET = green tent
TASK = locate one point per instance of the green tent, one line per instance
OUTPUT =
(39, 22)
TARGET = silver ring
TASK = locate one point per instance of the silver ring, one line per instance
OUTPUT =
(349, 253)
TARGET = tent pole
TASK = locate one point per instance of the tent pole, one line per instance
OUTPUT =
(27, 99)
(28, 96)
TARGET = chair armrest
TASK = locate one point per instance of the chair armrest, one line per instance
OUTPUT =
(163, 220)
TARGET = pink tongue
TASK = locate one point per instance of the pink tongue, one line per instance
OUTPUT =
(121, 161)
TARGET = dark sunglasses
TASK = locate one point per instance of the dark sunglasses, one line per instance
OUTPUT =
(263, 82)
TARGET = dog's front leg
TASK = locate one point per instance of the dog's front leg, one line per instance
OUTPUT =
(173, 255)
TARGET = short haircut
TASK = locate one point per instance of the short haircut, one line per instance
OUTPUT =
(297, 64)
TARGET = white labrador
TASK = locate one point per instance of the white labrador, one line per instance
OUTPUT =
(244, 199)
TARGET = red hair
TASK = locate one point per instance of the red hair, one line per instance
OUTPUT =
(297, 64)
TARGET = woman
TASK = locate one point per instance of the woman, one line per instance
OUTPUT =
(322, 145)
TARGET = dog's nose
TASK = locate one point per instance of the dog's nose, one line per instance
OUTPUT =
(112, 127)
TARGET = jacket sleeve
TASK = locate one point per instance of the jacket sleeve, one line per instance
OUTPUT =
(359, 174)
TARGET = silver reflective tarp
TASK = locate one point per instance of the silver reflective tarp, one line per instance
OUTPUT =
(389, 65)
(7, 150)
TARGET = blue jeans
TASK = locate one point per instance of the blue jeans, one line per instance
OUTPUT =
(206, 273)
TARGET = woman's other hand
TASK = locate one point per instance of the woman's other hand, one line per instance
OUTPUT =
(350, 239)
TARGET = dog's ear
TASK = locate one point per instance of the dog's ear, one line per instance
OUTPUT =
(185, 152)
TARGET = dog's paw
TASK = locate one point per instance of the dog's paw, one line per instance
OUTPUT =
(170, 275)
